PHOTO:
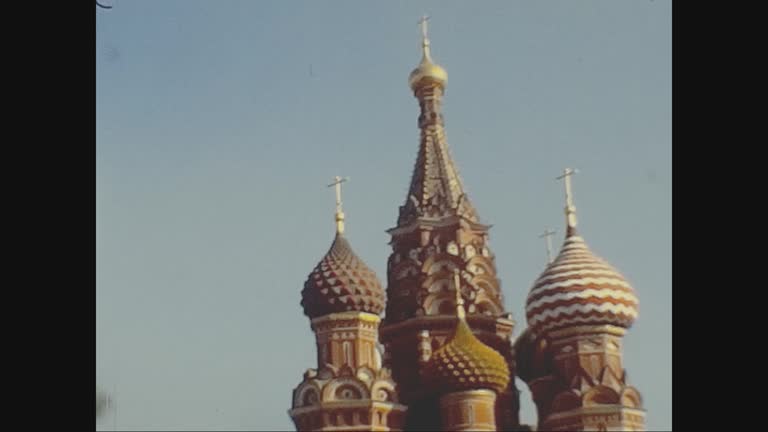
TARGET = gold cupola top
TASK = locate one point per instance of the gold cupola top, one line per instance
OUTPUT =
(427, 71)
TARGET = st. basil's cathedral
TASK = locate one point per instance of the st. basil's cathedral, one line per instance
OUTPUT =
(443, 357)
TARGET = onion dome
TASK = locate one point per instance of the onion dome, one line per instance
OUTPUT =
(341, 282)
(464, 362)
(427, 71)
(578, 287)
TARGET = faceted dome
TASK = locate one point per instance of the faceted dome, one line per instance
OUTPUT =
(579, 288)
(465, 363)
(341, 282)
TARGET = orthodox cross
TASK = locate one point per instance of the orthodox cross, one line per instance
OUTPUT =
(548, 235)
(423, 23)
(570, 210)
(337, 181)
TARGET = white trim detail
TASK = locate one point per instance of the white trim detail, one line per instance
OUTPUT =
(589, 293)
(579, 272)
(578, 320)
(567, 310)
(616, 281)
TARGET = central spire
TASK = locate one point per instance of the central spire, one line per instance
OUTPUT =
(436, 190)
(438, 231)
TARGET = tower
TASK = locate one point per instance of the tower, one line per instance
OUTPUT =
(446, 333)
(578, 310)
(439, 232)
(349, 390)
(467, 375)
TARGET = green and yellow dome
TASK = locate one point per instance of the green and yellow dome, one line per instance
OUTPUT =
(466, 363)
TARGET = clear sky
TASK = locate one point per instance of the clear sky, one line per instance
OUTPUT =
(219, 123)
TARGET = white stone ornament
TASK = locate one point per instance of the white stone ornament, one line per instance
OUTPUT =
(453, 249)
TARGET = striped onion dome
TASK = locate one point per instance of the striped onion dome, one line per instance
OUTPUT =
(579, 288)
(465, 363)
(341, 282)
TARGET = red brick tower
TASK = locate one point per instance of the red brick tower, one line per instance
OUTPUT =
(438, 232)
(467, 375)
(570, 354)
(349, 390)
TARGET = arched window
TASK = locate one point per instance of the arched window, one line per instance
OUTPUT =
(446, 308)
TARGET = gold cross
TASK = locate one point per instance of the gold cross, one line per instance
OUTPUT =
(423, 23)
(337, 181)
(570, 210)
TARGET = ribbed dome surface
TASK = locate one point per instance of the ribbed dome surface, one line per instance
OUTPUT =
(341, 282)
(579, 288)
(465, 363)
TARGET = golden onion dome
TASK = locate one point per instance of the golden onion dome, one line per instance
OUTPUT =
(427, 71)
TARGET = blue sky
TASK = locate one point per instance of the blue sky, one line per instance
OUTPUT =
(219, 123)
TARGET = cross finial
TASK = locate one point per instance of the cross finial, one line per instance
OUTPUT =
(570, 209)
(548, 235)
(460, 312)
(423, 23)
(337, 181)
(424, 40)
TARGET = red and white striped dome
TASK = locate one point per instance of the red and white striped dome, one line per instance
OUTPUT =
(579, 288)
